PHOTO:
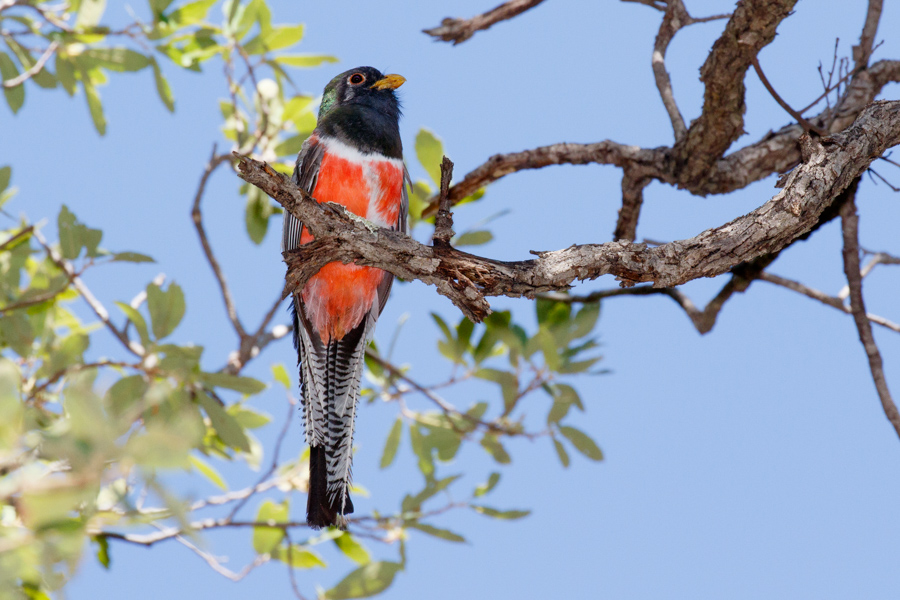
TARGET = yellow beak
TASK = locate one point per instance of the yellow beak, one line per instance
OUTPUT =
(389, 82)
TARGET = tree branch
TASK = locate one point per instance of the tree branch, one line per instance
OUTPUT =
(499, 165)
(459, 30)
(35, 68)
(466, 279)
(863, 51)
(751, 27)
(850, 230)
(197, 216)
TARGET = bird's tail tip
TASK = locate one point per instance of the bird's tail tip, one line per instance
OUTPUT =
(320, 512)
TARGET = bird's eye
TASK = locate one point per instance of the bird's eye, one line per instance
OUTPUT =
(357, 78)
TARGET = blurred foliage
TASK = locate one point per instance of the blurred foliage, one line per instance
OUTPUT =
(88, 441)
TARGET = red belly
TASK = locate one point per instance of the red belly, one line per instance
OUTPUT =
(339, 296)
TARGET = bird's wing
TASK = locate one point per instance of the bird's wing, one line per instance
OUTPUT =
(311, 350)
(306, 173)
(402, 225)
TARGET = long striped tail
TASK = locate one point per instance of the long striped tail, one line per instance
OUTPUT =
(330, 375)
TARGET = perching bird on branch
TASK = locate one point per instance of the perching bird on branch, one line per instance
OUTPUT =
(353, 158)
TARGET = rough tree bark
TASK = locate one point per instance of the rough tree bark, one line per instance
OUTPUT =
(466, 279)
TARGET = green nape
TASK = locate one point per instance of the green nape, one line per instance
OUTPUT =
(329, 96)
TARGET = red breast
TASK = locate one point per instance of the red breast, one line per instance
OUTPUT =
(339, 296)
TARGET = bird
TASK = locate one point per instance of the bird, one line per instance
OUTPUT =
(353, 157)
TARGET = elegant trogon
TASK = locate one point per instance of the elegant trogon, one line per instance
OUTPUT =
(353, 158)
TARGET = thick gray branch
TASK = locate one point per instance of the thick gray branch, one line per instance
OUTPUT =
(466, 279)
(750, 28)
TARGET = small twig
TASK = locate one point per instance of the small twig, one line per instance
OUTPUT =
(20, 234)
(675, 17)
(832, 301)
(799, 118)
(35, 68)
(290, 566)
(37, 299)
(219, 567)
(197, 216)
(459, 30)
(872, 172)
(275, 456)
(850, 230)
(659, 5)
(98, 308)
(443, 221)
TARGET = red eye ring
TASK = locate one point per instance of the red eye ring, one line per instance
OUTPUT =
(357, 78)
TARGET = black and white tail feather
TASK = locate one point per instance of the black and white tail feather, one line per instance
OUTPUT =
(330, 374)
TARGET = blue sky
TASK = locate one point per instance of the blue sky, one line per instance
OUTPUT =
(751, 462)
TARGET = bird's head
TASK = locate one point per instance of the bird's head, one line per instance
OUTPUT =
(364, 86)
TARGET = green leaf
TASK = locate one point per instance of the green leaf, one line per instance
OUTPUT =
(484, 488)
(294, 107)
(5, 175)
(305, 60)
(265, 539)
(552, 313)
(444, 534)
(582, 442)
(162, 87)
(493, 446)
(352, 548)
(281, 375)
(244, 385)
(473, 238)
(561, 452)
(74, 235)
(578, 366)
(124, 394)
(500, 514)
(226, 426)
(298, 557)
(65, 73)
(564, 396)
(586, 319)
(365, 581)
(138, 319)
(430, 152)
(15, 97)
(509, 384)
(163, 446)
(392, 444)
(443, 325)
(276, 39)
(190, 13)
(432, 487)
(134, 257)
(118, 59)
(158, 6)
(477, 410)
(547, 343)
(291, 146)
(247, 417)
(90, 13)
(256, 216)
(208, 471)
(166, 308)
(421, 450)
(94, 104)
(445, 440)
(102, 550)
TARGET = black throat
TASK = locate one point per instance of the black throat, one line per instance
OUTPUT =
(367, 129)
